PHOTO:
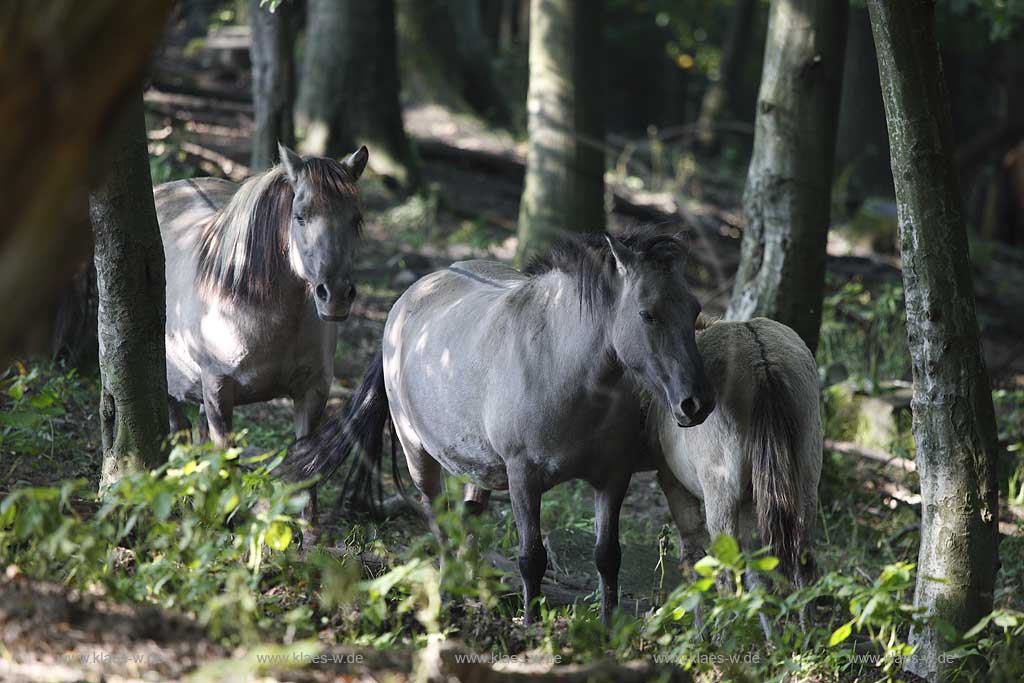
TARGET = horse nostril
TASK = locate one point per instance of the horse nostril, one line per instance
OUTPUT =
(323, 293)
(690, 407)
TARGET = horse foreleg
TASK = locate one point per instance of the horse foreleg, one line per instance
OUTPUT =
(533, 559)
(685, 509)
(219, 404)
(309, 408)
(607, 551)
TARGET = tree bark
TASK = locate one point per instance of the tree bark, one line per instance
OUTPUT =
(53, 123)
(719, 94)
(954, 426)
(130, 284)
(350, 86)
(273, 80)
(564, 188)
(787, 199)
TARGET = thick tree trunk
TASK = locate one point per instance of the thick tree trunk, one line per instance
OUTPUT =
(564, 188)
(954, 427)
(350, 86)
(445, 56)
(862, 145)
(719, 94)
(787, 199)
(130, 283)
(273, 80)
(53, 123)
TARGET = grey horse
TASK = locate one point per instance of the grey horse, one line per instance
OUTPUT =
(521, 381)
(756, 461)
(257, 277)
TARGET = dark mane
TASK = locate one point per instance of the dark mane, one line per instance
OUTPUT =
(589, 258)
(243, 250)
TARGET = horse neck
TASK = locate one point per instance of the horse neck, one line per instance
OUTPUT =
(583, 337)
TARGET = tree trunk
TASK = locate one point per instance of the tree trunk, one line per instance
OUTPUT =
(954, 427)
(446, 56)
(564, 187)
(130, 283)
(862, 145)
(53, 123)
(787, 199)
(350, 86)
(719, 94)
(273, 80)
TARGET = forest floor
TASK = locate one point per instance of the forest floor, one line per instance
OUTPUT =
(870, 511)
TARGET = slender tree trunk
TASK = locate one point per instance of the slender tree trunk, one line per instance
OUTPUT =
(564, 187)
(273, 80)
(954, 427)
(130, 282)
(350, 86)
(53, 123)
(787, 199)
(719, 94)
(862, 145)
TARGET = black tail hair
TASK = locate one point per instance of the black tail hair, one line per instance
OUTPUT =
(772, 451)
(332, 443)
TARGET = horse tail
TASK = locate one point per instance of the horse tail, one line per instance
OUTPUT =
(772, 449)
(338, 435)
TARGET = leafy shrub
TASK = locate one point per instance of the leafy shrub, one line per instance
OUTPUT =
(202, 533)
(865, 334)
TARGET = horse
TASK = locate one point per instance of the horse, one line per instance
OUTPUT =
(523, 380)
(756, 461)
(258, 275)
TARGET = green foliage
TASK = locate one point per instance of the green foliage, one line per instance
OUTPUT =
(46, 416)
(865, 334)
(168, 161)
(203, 533)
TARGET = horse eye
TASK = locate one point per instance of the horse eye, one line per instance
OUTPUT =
(300, 219)
(646, 316)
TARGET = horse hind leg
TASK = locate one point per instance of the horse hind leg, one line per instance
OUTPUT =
(219, 405)
(179, 422)
(749, 542)
(475, 499)
(425, 473)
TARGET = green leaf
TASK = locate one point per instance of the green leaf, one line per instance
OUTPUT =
(162, 505)
(279, 535)
(706, 566)
(726, 549)
(1005, 620)
(841, 634)
(41, 401)
(764, 564)
(16, 392)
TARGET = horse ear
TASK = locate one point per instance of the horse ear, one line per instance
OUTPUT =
(624, 256)
(292, 162)
(355, 162)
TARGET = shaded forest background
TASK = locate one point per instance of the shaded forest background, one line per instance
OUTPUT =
(664, 109)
